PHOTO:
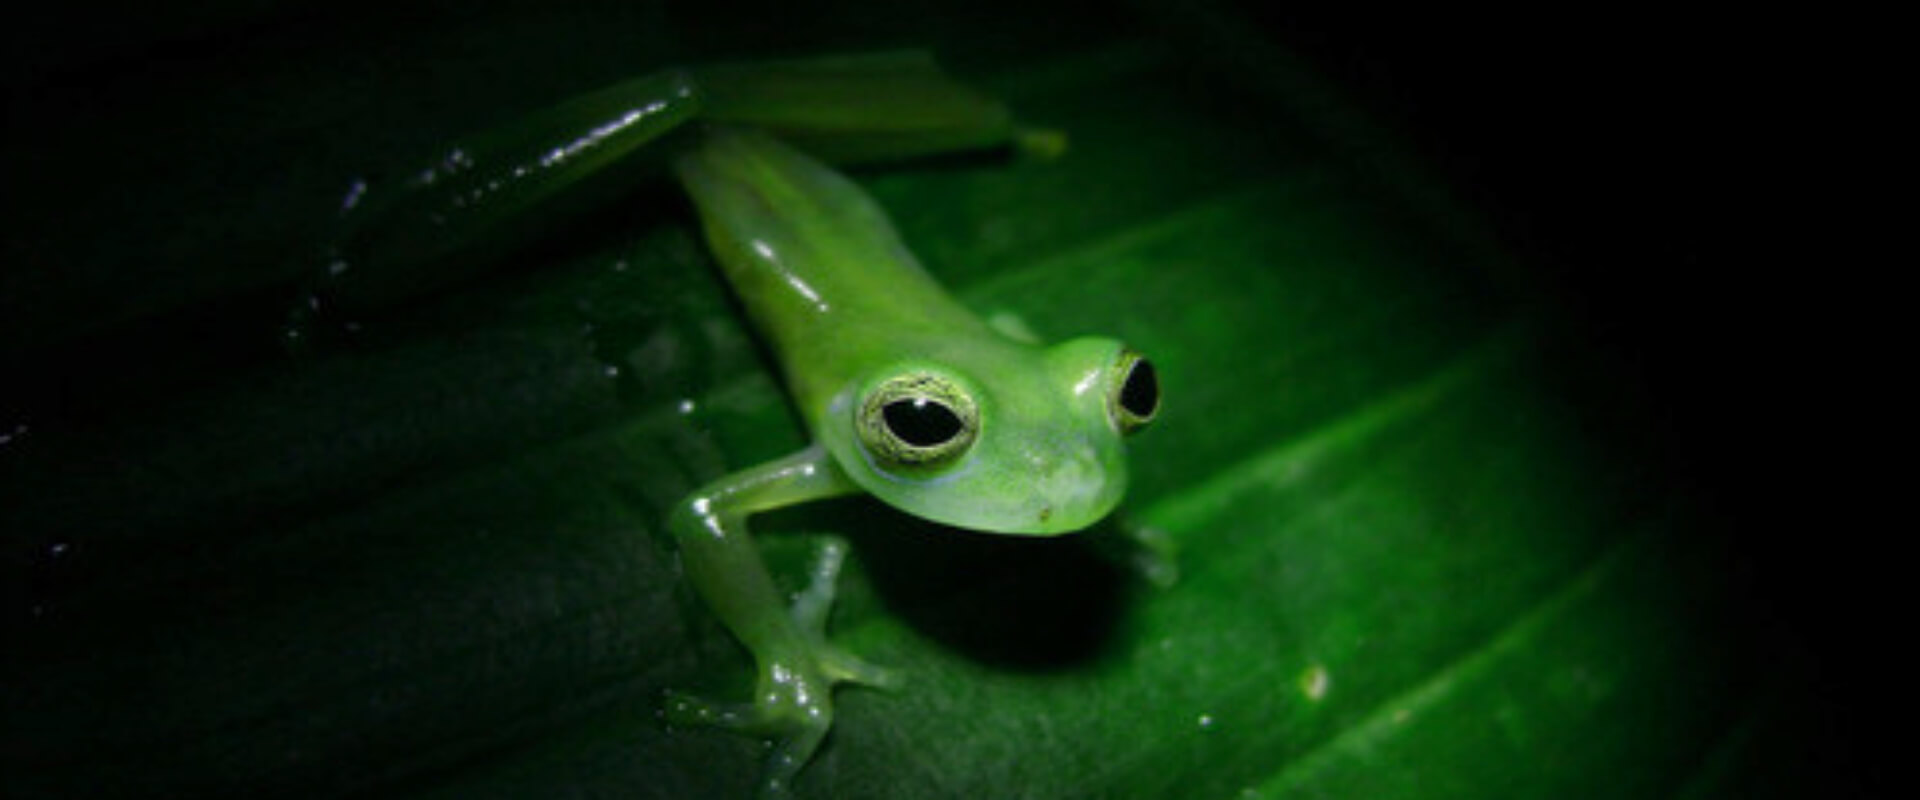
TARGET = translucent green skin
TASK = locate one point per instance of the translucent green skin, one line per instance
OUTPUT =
(826, 279)
(846, 306)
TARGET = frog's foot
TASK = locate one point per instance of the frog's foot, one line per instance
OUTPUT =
(792, 708)
(793, 712)
(792, 703)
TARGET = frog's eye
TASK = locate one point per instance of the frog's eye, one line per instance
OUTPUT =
(1134, 398)
(918, 420)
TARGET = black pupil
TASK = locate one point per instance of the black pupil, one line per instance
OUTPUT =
(1141, 394)
(921, 422)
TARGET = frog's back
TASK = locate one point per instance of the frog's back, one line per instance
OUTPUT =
(819, 267)
(918, 401)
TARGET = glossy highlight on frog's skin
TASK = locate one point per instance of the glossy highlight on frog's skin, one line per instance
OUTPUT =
(849, 312)
(906, 395)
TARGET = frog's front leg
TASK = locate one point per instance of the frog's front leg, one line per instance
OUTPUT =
(797, 668)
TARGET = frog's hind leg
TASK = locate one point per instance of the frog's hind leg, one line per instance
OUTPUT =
(490, 192)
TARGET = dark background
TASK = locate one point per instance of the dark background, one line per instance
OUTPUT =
(1639, 160)
(1663, 172)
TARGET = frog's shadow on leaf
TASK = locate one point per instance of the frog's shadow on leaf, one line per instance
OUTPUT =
(1027, 603)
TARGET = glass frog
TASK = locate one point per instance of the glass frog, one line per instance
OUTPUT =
(906, 395)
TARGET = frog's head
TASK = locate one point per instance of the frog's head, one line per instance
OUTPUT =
(1019, 445)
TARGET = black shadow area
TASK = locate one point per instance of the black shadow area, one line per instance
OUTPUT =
(1019, 602)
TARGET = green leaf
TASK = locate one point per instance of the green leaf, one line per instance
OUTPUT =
(1415, 560)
